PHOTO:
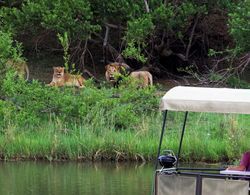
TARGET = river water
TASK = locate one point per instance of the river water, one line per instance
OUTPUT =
(70, 178)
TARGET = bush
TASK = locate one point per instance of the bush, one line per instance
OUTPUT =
(9, 49)
(74, 17)
(236, 82)
(34, 103)
(240, 25)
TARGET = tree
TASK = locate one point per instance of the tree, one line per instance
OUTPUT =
(171, 36)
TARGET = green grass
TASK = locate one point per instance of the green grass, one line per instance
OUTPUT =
(208, 137)
(39, 122)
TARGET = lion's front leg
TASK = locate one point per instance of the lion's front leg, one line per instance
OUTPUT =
(52, 83)
(107, 76)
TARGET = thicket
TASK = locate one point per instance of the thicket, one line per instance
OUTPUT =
(208, 41)
(9, 49)
(29, 104)
(40, 122)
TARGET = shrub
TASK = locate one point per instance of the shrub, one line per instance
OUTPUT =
(9, 49)
(240, 26)
(35, 103)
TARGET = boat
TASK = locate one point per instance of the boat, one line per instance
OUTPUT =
(172, 179)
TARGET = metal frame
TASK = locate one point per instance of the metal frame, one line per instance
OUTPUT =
(182, 134)
(162, 135)
(181, 170)
(199, 176)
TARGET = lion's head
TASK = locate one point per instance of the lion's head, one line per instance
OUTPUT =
(112, 71)
(115, 70)
(59, 71)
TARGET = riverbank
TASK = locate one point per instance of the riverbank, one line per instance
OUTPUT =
(104, 123)
(209, 138)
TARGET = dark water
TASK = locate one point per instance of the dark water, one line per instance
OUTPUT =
(42, 178)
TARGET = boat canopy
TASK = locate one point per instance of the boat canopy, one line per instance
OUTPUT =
(204, 99)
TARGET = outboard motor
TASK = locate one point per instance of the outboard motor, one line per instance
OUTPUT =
(167, 160)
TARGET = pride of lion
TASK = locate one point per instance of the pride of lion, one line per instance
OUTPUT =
(114, 73)
(61, 78)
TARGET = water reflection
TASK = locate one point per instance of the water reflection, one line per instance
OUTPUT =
(37, 178)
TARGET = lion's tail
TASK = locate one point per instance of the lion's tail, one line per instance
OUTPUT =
(150, 79)
(27, 71)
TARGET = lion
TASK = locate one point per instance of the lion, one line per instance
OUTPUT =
(144, 78)
(61, 78)
(115, 71)
(20, 67)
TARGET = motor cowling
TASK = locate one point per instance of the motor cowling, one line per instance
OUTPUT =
(167, 160)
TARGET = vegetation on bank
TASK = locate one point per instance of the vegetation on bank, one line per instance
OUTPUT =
(39, 122)
(205, 40)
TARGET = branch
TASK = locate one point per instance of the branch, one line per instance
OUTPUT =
(91, 75)
(113, 52)
(105, 41)
(84, 52)
(159, 47)
(244, 62)
(93, 63)
(224, 73)
(146, 5)
(114, 26)
(191, 37)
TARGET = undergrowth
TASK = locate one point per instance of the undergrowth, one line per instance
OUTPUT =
(40, 122)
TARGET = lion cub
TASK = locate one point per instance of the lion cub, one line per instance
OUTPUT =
(61, 78)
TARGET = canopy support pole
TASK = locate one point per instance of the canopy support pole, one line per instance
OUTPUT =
(182, 134)
(162, 133)
(159, 148)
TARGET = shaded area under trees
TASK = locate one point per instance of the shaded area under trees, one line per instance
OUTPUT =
(176, 39)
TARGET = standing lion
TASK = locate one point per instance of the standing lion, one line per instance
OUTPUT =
(115, 71)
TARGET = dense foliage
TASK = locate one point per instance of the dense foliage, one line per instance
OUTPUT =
(169, 36)
(240, 25)
(9, 49)
(33, 103)
(74, 17)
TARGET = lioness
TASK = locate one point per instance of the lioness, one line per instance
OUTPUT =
(60, 78)
(21, 68)
(114, 71)
(145, 78)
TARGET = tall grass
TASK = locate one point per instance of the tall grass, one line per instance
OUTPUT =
(203, 141)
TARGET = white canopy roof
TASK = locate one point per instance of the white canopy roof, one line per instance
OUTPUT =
(202, 99)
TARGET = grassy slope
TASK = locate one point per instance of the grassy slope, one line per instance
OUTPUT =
(209, 137)
(105, 123)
